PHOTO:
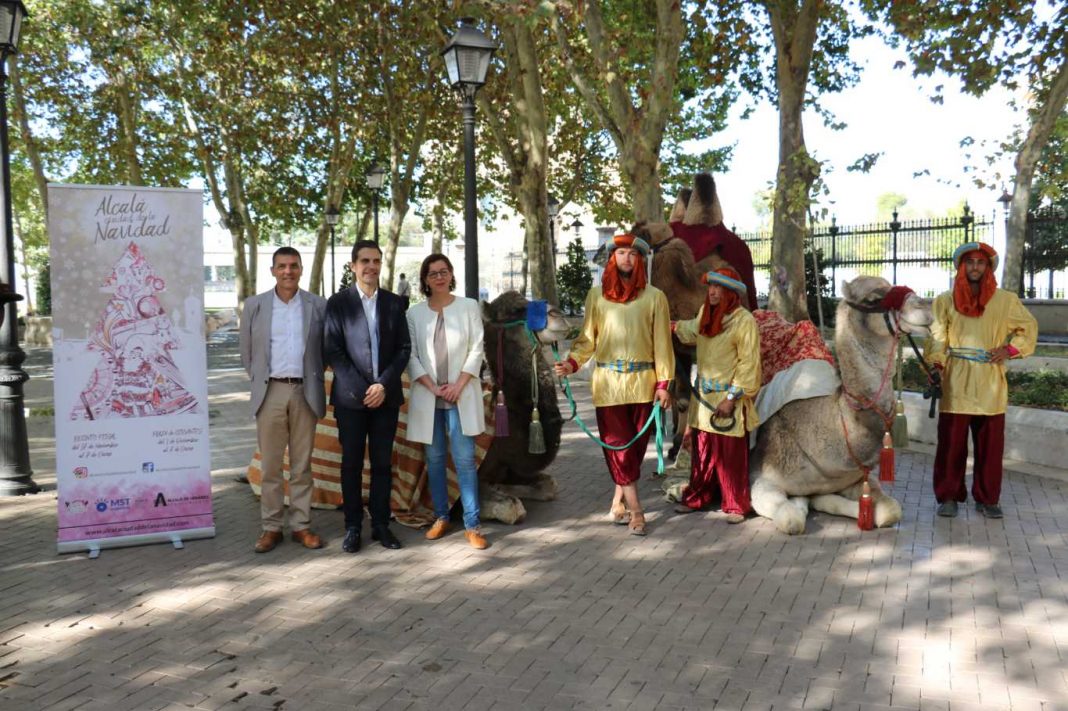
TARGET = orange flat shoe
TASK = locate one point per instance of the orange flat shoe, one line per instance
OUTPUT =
(439, 529)
(476, 539)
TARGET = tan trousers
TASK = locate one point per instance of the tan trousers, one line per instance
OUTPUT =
(285, 418)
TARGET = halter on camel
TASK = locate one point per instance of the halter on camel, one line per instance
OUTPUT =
(889, 304)
(718, 428)
(535, 319)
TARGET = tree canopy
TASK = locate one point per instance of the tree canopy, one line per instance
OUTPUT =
(279, 107)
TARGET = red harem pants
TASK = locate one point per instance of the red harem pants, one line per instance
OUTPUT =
(988, 443)
(719, 462)
(617, 425)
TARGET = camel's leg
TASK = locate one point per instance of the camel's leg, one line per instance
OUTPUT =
(495, 504)
(788, 513)
(845, 503)
(540, 487)
(887, 508)
(836, 505)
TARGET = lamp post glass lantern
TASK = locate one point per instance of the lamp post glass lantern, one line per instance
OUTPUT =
(376, 178)
(1006, 207)
(12, 13)
(16, 477)
(332, 217)
(467, 56)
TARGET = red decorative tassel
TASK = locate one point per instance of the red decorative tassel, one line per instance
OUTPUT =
(886, 459)
(866, 515)
(500, 417)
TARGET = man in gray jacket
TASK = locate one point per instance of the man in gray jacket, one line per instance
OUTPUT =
(281, 349)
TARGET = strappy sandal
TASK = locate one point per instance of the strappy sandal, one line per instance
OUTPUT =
(619, 516)
(637, 524)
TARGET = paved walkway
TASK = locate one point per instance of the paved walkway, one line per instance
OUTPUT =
(563, 611)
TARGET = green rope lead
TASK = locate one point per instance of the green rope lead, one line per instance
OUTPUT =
(656, 416)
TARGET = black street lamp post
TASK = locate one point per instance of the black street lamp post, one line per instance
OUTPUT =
(577, 225)
(16, 477)
(467, 56)
(376, 178)
(553, 206)
(332, 217)
(1006, 205)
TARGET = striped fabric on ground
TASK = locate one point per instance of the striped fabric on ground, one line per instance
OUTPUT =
(410, 500)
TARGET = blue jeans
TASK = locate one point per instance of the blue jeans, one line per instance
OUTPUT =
(447, 423)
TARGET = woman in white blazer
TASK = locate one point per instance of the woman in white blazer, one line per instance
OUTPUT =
(445, 407)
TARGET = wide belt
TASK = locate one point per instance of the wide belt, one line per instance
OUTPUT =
(711, 385)
(626, 366)
(976, 355)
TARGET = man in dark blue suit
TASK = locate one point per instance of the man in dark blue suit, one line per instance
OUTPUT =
(365, 341)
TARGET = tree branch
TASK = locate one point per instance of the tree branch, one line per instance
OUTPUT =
(583, 85)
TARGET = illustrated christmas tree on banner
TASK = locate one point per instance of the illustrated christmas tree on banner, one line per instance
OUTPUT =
(136, 375)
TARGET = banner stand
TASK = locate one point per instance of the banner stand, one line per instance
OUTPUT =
(133, 459)
(176, 539)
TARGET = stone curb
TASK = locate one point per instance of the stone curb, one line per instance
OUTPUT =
(1032, 435)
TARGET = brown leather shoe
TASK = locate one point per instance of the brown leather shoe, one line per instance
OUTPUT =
(268, 540)
(476, 539)
(307, 539)
(439, 529)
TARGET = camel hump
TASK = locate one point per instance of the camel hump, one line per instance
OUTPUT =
(703, 207)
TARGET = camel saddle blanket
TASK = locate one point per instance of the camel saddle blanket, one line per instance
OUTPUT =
(410, 497)
(795, 364)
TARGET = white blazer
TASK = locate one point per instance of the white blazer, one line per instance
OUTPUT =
(464, 337)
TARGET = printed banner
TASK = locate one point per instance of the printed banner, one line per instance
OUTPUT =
(133, 463)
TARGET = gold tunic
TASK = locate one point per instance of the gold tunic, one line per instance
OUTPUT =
(970, 387)
(638, 331)
(731, 358)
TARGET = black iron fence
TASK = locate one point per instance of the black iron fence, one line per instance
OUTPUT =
(914, 252)
(1046, 254)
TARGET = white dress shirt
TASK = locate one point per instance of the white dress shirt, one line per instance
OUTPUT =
(287, 338)
(370, 312)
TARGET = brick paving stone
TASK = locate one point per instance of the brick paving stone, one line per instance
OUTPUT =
(564, 611)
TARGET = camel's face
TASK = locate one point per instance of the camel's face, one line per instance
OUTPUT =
(866, 292)
(512, 306)
(556, 327)
(916, 316)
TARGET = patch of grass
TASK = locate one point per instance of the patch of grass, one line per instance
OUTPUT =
(1046, 389)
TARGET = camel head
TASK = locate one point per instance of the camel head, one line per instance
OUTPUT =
(866, 299)
(511, 306)
(655, 233)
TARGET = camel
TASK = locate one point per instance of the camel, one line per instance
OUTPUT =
(510, 472)
(801, 457)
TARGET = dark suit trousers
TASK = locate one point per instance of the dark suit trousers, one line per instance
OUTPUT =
(354, 427)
